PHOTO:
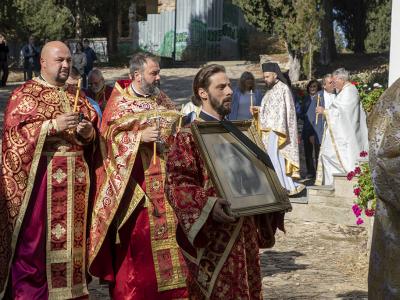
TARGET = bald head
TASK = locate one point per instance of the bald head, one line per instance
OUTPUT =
(55, 61)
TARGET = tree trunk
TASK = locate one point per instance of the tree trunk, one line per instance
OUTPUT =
(112, 25)
(294, 65)
(120, 16)
(310, 61)
(360, 32)
(328, 47)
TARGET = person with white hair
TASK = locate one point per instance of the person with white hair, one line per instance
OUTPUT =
(98, 89)
(346, 133)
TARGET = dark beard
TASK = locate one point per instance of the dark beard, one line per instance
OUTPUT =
(270, 85)
(219, 107)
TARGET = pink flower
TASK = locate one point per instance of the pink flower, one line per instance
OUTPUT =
(369, 212)
(350, 175)
(356, 210)
(357, 191)
(359, 221)
(363, 154)
(357, 170)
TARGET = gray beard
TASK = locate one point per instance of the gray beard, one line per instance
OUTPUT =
(150, 89)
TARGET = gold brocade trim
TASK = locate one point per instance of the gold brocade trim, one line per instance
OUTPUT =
(45, 83)
(120, 89)
(139, 116)
(29, 186)
(68, 293)
(205, 212)
(282, 138)
(195, 260)
(64, 154)
(70, 254)
(70, 216)
(82, 289)
(59, 254)
(223, 258)
(178, 279)
(291, 169)
(102, 194)
(65, 103)
(127, 93)
(137, 196)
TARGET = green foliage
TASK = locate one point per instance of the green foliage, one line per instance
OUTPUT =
(48, 20)
(378, 27)
(42, 18)
(297, 22)
(369, 95)
(366, 23)
(257, 13)
(363, 189)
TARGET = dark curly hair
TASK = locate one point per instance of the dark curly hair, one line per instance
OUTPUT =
(311, 82)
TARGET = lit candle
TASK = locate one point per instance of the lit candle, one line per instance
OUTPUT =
(317, 114)
(77, 95)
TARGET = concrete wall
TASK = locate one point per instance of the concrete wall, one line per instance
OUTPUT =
(394, 63)
(166, 5)
(205, 30)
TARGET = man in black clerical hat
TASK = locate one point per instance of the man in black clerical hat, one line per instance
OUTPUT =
(279, 128)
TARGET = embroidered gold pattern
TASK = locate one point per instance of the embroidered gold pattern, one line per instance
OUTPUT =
(80, 175)
(58, 231)
(59, 176)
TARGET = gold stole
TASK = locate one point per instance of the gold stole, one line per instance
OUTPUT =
(169, 264)
(68, 185)
(67, 193)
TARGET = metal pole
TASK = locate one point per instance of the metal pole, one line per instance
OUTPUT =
(176, 9)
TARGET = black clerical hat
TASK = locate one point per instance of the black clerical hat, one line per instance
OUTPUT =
(274, 67)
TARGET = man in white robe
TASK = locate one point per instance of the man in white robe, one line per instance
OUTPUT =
(346, 133)
(278, 126)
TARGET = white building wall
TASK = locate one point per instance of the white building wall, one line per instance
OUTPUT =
(394, 63)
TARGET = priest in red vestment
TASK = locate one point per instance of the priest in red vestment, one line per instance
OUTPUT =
(97, 88)
(222, 253)
(45, 184)
(132, 233)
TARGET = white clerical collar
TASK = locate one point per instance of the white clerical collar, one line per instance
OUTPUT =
(138, 93)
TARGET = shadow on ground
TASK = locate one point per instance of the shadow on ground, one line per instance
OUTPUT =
(353, 295)
(273, 262)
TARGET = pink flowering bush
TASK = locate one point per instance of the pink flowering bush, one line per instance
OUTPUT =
(364, 190)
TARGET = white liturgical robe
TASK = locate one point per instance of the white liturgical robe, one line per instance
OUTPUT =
(345, 136)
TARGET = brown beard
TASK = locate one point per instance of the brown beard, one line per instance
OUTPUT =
(219, 107)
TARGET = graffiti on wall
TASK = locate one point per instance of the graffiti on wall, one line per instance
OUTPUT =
(198, 41)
